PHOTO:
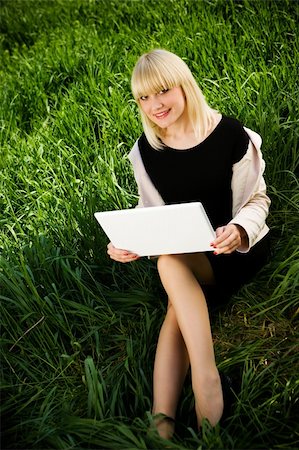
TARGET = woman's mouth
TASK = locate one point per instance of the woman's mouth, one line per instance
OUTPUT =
(162, 115)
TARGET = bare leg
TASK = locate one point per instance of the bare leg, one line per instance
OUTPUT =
(171, 366)
(179, 275)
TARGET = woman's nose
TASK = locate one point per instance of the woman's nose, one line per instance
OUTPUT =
(157, 104)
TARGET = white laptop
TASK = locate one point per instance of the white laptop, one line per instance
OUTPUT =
(158, 230)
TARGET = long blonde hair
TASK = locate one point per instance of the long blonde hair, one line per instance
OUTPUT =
(160, 69)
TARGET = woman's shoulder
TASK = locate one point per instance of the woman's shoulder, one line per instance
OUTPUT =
(142, 141)
(236, 134)
(134, 152)
(233, 124)
(140, 146)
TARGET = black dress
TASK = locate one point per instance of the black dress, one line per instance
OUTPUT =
(204, 173)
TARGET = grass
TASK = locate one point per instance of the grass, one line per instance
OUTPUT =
(79, 332)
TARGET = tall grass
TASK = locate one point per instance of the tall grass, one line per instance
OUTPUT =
(78, 331)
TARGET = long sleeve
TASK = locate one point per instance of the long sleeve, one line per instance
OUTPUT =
(148, 194)
(250, 201)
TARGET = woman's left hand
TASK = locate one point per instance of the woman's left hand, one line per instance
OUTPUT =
(228, 239)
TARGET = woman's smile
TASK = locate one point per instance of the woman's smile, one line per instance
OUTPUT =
(165, 108)
(162, 115)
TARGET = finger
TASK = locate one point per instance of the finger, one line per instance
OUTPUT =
(127, 259)
(228, 246)
(122, 256)
(219, 231)
(226, 250)
(117, 252)
(130, 259)
(230, 232)
(228, 241)
(222, 236)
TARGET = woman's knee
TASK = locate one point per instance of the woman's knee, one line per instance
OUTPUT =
(197, 263)
(165, 262)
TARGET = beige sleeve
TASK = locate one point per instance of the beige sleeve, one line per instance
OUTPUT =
(250, 200)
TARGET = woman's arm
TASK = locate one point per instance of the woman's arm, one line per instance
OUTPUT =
(250, 203)
(147, 193)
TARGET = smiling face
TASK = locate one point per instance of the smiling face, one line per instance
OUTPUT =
(165, 108)
(167, 94)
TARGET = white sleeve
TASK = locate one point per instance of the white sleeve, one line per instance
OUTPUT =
(250, 201)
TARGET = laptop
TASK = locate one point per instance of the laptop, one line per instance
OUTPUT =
(158, 230)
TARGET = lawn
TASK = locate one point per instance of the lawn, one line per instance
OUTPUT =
(78, 332)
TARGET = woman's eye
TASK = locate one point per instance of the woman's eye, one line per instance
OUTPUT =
(143, 97)
(163, 91)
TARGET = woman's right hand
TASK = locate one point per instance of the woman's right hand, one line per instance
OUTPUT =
(122, 256)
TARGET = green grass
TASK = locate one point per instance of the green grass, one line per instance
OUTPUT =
(78, 331)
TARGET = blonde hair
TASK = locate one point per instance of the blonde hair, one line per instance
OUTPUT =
(160, 69)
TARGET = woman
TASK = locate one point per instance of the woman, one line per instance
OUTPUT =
(190, 152)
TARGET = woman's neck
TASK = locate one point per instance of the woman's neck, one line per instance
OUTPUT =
(183, 136)
(180, 139)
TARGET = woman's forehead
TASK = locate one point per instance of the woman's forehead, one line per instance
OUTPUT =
(153, 85)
